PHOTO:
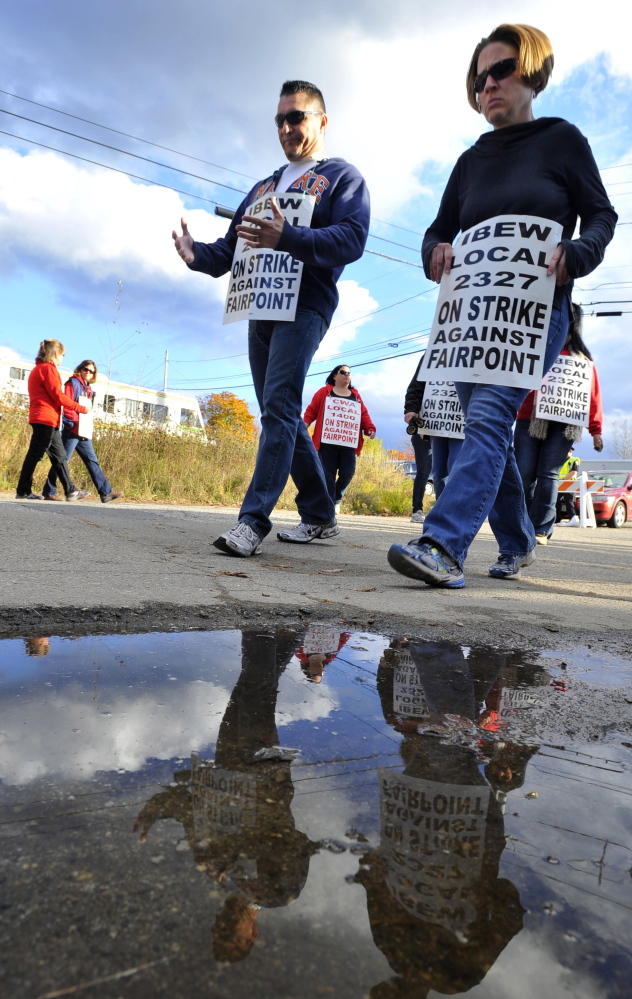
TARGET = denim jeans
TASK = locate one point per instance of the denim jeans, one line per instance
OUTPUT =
(485, 481)
(539, 464)
(341, 460)
(445, 451)
(423, 463)
(85, 450)
(44, 440)
(280, 354)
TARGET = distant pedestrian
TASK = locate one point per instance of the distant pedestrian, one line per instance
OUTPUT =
(80, 385)
(421, 444)
(46, 401)
(338, 459)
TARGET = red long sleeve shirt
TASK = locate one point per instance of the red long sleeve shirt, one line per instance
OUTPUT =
(46, 397)
(316, 411)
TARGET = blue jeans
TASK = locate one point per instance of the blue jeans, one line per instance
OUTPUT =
(423, 464)
(85, 450)
(445, 451)
(485, 481)
(539, 464)
(280, 354)
(341, 460)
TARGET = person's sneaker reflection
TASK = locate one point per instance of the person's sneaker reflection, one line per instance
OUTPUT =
(236, 811)
(438, 910)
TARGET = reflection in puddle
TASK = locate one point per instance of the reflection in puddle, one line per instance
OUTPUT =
(310, 813)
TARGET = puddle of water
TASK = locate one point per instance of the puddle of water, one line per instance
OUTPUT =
(312, 813)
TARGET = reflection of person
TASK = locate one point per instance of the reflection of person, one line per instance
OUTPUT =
(46, 400)
(236, 812)
(37, 646)
(542, 445)
(313, 657)
(420, 445)
(524, 166)
(80, 384)
(281, 352)
(336, 459)
(438, 910)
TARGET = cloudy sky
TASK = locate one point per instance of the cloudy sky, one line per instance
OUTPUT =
(202, 79)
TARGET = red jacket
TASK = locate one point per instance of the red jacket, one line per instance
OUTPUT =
(595, 416)
(316, 409)
(46, 397)
(74, 387)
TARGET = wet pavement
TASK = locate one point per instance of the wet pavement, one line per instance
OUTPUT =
(313, 812)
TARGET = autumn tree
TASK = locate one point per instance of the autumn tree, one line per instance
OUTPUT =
(224, 412)
(620, 435)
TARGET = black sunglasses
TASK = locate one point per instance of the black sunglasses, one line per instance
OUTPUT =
(293, 117)
(90, 371)
(499, 71)
(341, 372)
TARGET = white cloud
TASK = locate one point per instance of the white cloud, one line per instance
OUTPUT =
(352, 313)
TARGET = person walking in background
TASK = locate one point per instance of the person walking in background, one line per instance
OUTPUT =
(338, 459)
(281, 352)
(542, 446)
(524, 166)
(46, 401)
(420, 445)
(80, 385)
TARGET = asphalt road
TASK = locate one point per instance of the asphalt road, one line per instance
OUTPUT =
(69, 567)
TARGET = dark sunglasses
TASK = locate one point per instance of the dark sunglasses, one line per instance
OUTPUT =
(344, 372)
(499, 71)
(293, 117)
(90, 371)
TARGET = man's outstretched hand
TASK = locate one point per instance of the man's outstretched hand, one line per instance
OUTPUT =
(184, 243)
(261, 233)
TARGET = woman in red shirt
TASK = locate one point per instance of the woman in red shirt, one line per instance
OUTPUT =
(46, 402)
(542, 446)
(337, 458)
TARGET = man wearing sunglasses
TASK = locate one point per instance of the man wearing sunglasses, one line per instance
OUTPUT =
(281, 352)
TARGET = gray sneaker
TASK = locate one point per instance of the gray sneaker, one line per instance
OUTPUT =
(77, 494)
(303, 533)
(241, 540)
(508, 566)
(418, 517)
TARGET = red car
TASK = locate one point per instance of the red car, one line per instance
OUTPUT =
(614, 506)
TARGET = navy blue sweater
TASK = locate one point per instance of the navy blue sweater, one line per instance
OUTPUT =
(337, 236)
(543, 167)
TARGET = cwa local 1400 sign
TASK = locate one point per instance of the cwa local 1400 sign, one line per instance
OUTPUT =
(494, 306)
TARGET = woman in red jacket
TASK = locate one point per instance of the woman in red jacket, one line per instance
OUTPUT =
(339, 429)
(46, 402)
(542, 446)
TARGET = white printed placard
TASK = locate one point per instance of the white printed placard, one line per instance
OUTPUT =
(441, 411)
(341, 422)
(513, 699)
(224, 801)
(408, 694)
(564, 395)
(264, 284)
(433, 839)
(85, 427)
(319, 638)
(494, 307)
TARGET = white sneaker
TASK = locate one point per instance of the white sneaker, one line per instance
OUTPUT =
(303, 533)
(337, 508)
(241, 540)
(418, 517)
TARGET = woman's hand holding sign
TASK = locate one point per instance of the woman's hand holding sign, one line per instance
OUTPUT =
(557, 265)
(440, 261)
(184, 243)
(262, 233)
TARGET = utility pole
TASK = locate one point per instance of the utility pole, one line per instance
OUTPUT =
(164, 381)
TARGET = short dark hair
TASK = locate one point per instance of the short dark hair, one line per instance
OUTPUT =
(534, 51)
(303, 87)
(331, 378)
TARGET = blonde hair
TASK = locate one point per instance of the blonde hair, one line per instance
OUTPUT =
(535, 57)
(50, 349)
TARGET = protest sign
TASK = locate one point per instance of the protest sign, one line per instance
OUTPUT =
(264, 284)
(433, 839)
(341, 422)
(320, 639)
(408, 693)
(85, 427)
(513, 699)
(224, 801)
(494, 306)
(564, 395)
(441, 411)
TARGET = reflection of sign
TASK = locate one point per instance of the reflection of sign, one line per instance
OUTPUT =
(441, 411)
(264, 284)
(341, 422)
(512, 700)
(433, 837)
(564, 395)
(85, 427)
(224, 801)
(408, 693)
(494, 306)
(320, 639)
